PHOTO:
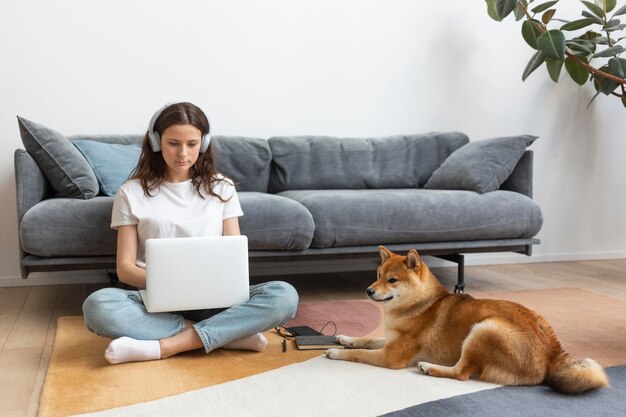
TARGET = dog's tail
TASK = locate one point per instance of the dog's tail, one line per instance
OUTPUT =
(571, 376)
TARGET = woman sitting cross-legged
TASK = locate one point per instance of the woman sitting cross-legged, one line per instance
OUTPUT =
(175, 191)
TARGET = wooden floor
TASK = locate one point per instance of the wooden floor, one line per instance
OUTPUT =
(28, 314)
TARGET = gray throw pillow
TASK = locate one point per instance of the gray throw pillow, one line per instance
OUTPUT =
(65, 167)
(480, 166)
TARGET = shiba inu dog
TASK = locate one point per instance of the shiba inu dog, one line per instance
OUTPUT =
(457, 336)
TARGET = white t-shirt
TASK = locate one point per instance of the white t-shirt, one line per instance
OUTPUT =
(174, 210)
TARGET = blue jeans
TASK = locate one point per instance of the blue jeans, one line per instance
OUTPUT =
(114, 312)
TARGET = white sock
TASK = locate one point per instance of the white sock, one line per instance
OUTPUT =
(126, 349)
(256, 342)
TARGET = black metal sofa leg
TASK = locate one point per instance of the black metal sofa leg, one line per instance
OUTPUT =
(459, 288)
(458, 259)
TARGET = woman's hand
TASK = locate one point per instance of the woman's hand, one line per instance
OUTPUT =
(127, 270)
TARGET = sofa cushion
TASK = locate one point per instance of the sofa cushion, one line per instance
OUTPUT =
(245, 160)
(65, 168)
(111, 162)
(73, 227)
(275, 223)
(480, 166)
(69, 227)
(314, 162)
(373, 217)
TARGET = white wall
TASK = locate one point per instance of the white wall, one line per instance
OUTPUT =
(343, 68)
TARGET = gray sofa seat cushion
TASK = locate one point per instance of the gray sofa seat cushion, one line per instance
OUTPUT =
(372, 217)
(273, 222)
(315, 162)
(74, 227)
(69, 227)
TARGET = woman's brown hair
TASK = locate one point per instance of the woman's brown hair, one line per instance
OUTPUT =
(151, 169)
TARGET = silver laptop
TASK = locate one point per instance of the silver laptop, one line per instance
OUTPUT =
(192, 273)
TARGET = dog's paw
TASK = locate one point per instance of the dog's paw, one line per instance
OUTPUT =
(423, 367)
(333, 354)
(346, 341)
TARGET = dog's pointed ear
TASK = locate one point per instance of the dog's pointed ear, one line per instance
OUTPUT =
(412, 259)
(384, 254)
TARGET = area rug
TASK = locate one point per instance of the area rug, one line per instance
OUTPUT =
(302, 383)
(80, 380)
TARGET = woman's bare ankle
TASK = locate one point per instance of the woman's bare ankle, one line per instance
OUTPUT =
(184, 341)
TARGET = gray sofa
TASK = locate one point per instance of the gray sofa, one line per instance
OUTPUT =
(310, 203)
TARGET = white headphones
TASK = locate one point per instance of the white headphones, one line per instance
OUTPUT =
(155, 138)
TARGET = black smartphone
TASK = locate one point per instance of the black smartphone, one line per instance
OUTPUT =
(304, 331)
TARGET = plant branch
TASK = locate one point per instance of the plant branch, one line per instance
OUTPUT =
(594, 70)
(530, 18)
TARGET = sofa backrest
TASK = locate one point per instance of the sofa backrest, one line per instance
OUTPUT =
(320, 162)
(245, 160)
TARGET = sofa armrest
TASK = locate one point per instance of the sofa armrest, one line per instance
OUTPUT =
(31, 185)
(521, 179)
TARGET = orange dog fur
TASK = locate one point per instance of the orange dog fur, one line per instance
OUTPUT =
(457, 336)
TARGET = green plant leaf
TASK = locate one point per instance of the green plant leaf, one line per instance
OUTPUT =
(554, 68)
(505, 7)
(594, 9)
(547, 16)
(578, 24)
(491, 10)
(610, 4)
(577, 72)
(604, 85)
(552, 44)
(616, 27)
(543, 6)
(593, 16)
(612, 51)
(580, 45)
(535, 62)
(519, 10)
(592, 99)
(617, 67)
(620, 11)
(530, 32)
(602, 40)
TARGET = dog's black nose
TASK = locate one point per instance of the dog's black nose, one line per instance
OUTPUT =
(370, 291)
